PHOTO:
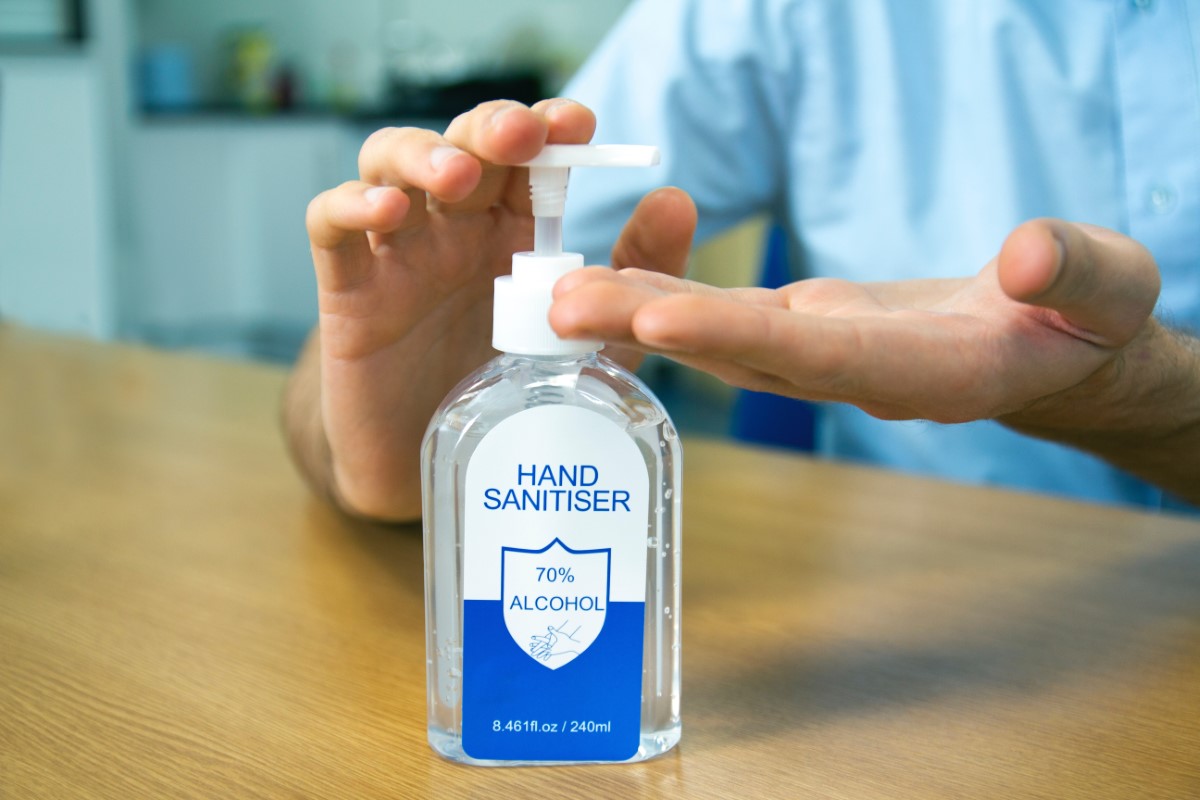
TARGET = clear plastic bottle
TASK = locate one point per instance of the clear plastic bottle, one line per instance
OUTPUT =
(506, 386)
(551, 491)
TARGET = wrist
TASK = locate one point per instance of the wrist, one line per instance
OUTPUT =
(1147, 390)
(1140, 411)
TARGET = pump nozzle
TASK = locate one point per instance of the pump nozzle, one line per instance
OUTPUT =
(548, 174)
(523, 299)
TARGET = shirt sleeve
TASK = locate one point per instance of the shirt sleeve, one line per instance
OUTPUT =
(711, 82)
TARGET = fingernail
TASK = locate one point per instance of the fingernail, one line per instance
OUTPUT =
(440, 155)
(559, 103)
(375, 194)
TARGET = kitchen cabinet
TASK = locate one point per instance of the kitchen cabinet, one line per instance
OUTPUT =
(56, 216)
(221, 255)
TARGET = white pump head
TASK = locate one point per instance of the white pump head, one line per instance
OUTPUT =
(522, 300)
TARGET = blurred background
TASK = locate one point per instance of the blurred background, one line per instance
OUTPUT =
(157, 156)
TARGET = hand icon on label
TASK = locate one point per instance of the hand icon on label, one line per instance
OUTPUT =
(543, 647)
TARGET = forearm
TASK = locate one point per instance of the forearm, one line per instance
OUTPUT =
(1141, 412)
(308, 443)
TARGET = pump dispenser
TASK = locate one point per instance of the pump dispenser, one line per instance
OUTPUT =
(550, 480)
(522, 300)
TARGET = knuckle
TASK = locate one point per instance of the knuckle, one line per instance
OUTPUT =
(542, 106)
(314, 214)
(490, 106)
(481, 113)
(377, 138)
(323, 211)
(391, 139)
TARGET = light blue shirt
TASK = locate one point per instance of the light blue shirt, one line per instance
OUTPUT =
(905, 139)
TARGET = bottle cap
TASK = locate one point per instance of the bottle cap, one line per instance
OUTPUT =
(523, 301)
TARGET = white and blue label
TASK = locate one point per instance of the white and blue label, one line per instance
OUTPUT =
(554, 571)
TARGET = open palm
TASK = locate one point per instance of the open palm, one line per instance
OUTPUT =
(1035, 332)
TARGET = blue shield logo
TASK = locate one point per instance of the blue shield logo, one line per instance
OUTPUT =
(555, 599)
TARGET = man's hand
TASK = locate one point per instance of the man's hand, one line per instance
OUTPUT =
(1054, 337)
(405, 259)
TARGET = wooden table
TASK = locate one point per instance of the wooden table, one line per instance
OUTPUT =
(179, 618)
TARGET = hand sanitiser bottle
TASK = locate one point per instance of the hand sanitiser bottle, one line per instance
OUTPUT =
(551, 510)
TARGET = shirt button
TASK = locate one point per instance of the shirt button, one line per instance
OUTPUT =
(1162, 199)
(1143, 5)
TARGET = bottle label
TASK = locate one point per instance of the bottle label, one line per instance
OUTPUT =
(554, 587)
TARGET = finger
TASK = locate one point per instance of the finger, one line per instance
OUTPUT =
(768, 347)
(599, 308)
(720, 332)
(1103, 284)
(418, 159)
(600, 303)
(338, 221)
(802, 348)
(630, 312)
(500, 133)
(671, 285)
(567, 122)
(505, 133)
(663, 283)
(659, 233)
(886, 367)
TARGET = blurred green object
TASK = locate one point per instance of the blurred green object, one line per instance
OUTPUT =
(250, 53)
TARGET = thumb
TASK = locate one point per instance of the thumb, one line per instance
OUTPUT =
(658, 236)
(1103, 283)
